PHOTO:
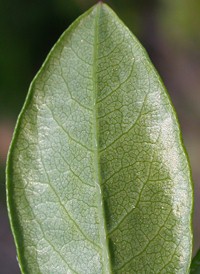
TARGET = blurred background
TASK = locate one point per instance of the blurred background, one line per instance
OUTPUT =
(169, 30)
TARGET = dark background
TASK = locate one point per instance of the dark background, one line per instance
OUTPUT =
(169, 30)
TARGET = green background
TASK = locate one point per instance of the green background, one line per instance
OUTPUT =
(168, 29)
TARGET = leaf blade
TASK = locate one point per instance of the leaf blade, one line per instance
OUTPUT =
(98, 136)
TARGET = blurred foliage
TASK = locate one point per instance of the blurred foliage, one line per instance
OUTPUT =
(28, 31)
(180, 20)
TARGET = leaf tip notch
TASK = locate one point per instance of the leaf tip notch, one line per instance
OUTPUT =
(100, 2)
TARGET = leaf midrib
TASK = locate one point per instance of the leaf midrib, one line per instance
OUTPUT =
(101, 211)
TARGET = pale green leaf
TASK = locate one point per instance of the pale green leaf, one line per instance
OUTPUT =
(98, 180)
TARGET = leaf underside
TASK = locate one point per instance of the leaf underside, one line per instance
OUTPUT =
(97, 178)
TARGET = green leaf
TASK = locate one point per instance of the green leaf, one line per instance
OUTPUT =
(97, 179)
(195, 265)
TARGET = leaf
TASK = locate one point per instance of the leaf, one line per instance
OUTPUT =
(97, 178)
(195, 265)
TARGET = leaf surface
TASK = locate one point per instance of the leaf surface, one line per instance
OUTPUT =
(98, 180)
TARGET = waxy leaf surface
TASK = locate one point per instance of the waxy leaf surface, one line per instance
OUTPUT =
(98, 180)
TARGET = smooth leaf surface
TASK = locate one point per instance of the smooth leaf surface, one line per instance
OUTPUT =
(98, 180)
(195, 265)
